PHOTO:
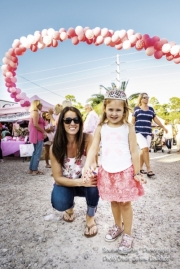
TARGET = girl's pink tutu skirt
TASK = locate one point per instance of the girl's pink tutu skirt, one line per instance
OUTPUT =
(119, 187)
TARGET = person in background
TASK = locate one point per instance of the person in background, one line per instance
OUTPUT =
(49, 128)
(66, 103)
(92, 120)
(142, 119)
(68, 154)
(177, 128)
(57, 111)
(37, 134)
(168, 136)
(1, 156)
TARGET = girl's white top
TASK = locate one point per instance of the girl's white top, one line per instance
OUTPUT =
(116, 155)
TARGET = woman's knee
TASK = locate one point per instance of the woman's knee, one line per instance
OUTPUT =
(125, 206)
(145, 150)
(62, 198)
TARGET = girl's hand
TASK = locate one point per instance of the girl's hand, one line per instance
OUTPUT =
(90, 182)
(89, 173)
(140, 179)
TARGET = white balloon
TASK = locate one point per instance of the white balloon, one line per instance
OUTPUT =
(115, 37)
(126, 44)
(41, 45)
(44, 32)
(63, 36)
(107, 40)
(24, 41)
(31, 39)
(4, 67)
(16, 43)
(47, 40)
(122, 34)
(104, 32)
(132, 39)
(130, 32)
(5, 60)
(166, 48)
(37, 33)
(111, 31)
(175, 50)
(89, 34)
(78, 30)
(51, 31)
(100, 39)
(9, 75)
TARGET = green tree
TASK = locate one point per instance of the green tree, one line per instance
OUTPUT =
(96, 99)
(70, 98)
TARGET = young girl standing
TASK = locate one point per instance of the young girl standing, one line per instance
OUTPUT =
(119, 178)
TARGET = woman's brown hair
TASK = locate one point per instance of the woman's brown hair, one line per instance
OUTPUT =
(59, 148)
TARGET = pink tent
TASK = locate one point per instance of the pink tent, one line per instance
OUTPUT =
(17, 108)
(16, 112)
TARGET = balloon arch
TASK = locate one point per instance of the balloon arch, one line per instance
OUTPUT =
(49, 38)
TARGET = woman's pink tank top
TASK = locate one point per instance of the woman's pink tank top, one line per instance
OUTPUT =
(35, 135)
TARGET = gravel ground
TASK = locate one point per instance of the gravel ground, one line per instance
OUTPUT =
(33, 235)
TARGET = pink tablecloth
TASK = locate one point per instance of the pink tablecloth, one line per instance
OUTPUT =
(10, 147)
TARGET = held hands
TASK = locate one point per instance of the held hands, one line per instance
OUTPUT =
(140, 178)
(89, 177)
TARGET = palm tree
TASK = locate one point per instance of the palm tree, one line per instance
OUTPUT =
(96, 99)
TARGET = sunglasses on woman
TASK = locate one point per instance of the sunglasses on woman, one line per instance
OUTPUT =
(76, 120)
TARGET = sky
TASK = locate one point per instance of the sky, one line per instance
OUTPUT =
(79, 70)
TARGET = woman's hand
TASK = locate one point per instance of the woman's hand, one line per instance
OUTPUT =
(45, 134)
(90, 181)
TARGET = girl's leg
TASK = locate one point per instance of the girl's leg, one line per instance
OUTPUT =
(127, 215)
(116, 210)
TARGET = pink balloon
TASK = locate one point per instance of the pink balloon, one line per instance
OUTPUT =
(177, 60)
(9, 74)
(100, 39)
(12, 52)
(145, 37)
(18, 90)
(158, 45)
(155, 39)
(13, 95)
(56, 35)
(164, 41)
(18, 51)
(138, 35)
(172, 43)
(71, 32)
(119, 47)
(148, 42)
(75, 40)
(8, 90)
(150, 51)
(158, 54)
(62, 30)
(14, 79)
(81, 37)
(22, 102)
(16, 100)
(140, 44)
(22, 48)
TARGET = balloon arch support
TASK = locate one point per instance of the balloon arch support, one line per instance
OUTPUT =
(153, 46)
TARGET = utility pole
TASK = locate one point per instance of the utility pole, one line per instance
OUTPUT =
(118, 71)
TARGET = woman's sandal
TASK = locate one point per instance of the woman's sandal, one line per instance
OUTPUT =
(69, 215)
(37, 173)
(150, 174)
(90, 227)
(143, 172)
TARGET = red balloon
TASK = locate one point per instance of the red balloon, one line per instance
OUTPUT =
(75, 40)
(158, 45)
(54, 43)
(8, 80)
(11, 52)
(18, 51)
(33, 48)
(13, 95)
(158, 54)
(89, 41)
(22, 48)
(16, 100)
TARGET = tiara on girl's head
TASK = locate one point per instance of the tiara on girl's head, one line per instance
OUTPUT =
(115, 94)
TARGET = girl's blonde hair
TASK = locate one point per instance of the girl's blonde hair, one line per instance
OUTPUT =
(58, 108)
(140, 97)
(34, 105)
(103, 118)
